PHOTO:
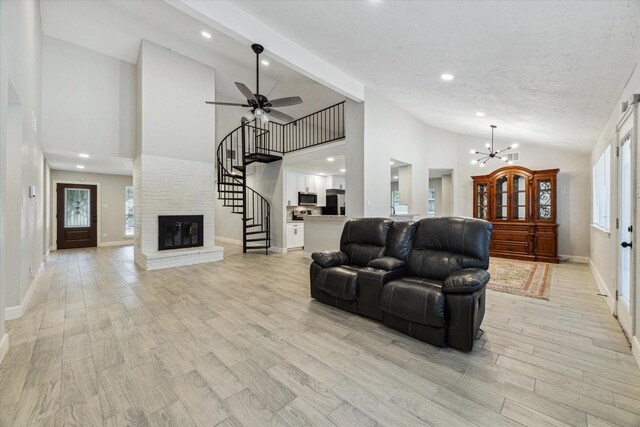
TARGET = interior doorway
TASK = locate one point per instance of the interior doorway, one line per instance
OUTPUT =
(626, 283)
(440, 196)
(76, 216)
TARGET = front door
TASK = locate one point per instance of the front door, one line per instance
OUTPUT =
(626, 208)
(76, 216)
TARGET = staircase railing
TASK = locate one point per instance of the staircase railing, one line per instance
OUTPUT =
(246, 143)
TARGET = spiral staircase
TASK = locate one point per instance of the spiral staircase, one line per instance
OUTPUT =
(256, 142)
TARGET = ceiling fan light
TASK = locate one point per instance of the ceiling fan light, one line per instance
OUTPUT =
(264, 118)
(249, 116)
(258, 112)
(514, 145)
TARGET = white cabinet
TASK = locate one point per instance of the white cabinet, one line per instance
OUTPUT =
(321, 190)
(292, 189)
(301, 182)
(338, 183)
(295, 235)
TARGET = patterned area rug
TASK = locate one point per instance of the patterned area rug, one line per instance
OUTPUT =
(529, 279)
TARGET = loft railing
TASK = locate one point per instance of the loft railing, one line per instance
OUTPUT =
(321, 127)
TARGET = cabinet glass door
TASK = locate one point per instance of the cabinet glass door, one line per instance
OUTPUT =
(543, 199)
(501, 198)
(481, 201)
(518, 198)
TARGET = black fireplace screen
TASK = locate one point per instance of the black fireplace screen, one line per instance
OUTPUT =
(179, 231)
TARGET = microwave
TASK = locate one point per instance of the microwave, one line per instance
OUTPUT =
(307, 199)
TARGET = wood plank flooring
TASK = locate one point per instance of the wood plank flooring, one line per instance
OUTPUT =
(240, 342)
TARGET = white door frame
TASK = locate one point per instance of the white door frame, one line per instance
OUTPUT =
(54, 204)
(628, 125)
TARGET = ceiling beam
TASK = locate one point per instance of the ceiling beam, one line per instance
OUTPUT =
(238, 24)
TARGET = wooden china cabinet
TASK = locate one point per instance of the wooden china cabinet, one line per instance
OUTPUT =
(521, 205)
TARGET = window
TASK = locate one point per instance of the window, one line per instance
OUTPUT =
(601, 190)
(432, 202)
(128, 210)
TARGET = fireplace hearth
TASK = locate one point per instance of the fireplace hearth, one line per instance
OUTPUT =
(180, 231)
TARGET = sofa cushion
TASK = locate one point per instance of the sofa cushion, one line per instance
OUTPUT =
(330, 258)
(415, 299)
(340, 282)
(364, 239)
(400, 238)
(386, 263)
(444, 245)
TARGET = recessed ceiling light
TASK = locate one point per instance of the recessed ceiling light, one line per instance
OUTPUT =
(330, 159)
(264, 62)
(390, 163)
(447, 77)
(321, 173)
(206, 35)
(84, 155)
(80, 166)
(343, 170)
(480, 114)
(395, 177)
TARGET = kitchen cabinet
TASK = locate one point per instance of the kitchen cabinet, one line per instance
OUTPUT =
(292, 189)
(295, 235)
(304, 183)
(321, 191)
(336, 183)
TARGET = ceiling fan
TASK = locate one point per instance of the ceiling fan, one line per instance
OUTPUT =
(261, 107)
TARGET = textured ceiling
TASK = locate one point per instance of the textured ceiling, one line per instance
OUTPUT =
(544, 72)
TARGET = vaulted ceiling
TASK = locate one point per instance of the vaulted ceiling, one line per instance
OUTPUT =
(544, 72)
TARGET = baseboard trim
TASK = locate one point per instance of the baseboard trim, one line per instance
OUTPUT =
(229, 240)
(602, 287)
(118, 243)
(4, 346)
(574, 258)
(16, 311)
(277, 250)
(635, 348)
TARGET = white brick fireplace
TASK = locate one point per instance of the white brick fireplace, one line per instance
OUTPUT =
(173, 173)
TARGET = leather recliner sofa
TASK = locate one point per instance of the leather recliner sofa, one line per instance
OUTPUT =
(426, 279)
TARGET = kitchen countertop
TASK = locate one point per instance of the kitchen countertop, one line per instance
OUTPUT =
(325, 217)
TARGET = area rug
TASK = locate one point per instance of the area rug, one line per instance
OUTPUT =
(529, 279)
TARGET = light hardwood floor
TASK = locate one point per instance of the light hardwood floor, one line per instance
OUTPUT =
(240, 342)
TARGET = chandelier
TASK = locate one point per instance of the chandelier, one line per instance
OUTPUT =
(492, 154)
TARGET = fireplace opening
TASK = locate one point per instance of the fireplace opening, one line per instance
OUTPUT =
(179, 231)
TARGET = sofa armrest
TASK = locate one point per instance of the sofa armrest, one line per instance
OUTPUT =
(386, 263)
(330, 258)
(467, 280)
(370, 284)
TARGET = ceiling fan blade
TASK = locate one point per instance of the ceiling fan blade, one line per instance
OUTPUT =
(285, 102)
(232, 104)
(246, 92)
(280, 116)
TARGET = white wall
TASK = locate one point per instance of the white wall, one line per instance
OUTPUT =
(392, 133)
(20, 151)
(112, 199)
(603, 245)
(573, 183)
(88, 101)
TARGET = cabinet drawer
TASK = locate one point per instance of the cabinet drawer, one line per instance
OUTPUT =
(514, 247)
(510, 237)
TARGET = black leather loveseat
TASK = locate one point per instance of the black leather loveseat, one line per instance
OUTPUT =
(426, 279)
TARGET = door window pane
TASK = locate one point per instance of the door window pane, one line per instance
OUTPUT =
(77, 210)
(625, 220)
(128, 211)
(601, 190)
